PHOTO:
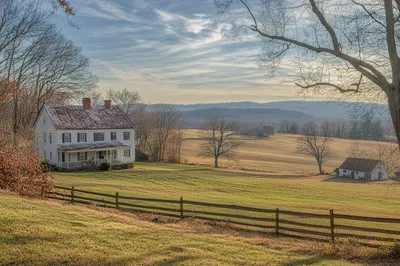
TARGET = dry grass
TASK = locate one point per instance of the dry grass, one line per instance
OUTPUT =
(275, 155)
(38, 232)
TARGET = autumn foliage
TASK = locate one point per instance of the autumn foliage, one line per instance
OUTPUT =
(21, 172)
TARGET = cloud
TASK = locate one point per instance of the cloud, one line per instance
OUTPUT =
(172, 52)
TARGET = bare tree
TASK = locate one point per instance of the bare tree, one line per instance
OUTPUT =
(128, 101)
(219, 140)
(315, 142)
(165, 121)
(343, 46)
(37, 62)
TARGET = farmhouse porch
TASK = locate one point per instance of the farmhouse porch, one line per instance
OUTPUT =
(93, 155)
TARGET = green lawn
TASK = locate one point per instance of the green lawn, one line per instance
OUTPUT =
(44, 232)
(301, 193)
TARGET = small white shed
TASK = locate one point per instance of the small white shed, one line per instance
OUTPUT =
(359, 168)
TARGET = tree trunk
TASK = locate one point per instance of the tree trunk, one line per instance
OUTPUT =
(216, 162)
(320, 168)
(394, 108)
(15, 122)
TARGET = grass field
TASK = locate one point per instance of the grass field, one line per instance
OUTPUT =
(38, 232)
(276, 154)
(257, 189)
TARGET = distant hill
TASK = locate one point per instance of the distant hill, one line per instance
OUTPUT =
(318, 109)
(249, 116)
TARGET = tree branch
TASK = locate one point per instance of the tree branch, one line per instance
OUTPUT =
(340, 89)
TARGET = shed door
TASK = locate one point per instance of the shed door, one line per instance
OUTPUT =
(352, 174)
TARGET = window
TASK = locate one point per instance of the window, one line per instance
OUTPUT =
(98, 136)
(127, 135)
(113, 135)
(66, 137)
(82, 156)
(344, 171)
(51, 155)
(50, 140)
(127, 153)
(44, 137)
(81, 137)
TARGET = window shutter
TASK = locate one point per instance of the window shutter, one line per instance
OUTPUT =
(70, 140)
(63, 137)
(79, 156)
(86, 156)
(77, 137)
(85, 137)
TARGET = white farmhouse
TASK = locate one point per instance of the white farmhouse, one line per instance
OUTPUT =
(358, 168)
(74, 137)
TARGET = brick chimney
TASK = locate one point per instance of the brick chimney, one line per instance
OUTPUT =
(107, 104)
(86, 102)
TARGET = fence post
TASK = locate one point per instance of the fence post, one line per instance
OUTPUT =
(72, 194)
(277, 222)
(332, 225)
(181, 208)
(117, 200)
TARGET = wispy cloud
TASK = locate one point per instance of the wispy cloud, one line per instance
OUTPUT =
(171, 51)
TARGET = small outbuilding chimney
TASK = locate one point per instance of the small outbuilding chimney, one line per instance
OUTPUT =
(107, 104)
(86, 102)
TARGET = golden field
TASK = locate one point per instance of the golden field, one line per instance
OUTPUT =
(276, 155)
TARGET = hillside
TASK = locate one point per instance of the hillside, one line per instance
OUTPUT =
(276, 154)
(38, 232)
(249, 116)
(319, 109)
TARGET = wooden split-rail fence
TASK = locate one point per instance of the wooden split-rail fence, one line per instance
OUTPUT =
(329, 226)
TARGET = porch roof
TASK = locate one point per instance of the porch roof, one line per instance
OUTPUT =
(91, 146)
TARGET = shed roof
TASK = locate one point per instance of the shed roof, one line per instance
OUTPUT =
(359, 164)
(91, 146)
(98, 117)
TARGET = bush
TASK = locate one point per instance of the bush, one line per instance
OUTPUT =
(45, 165)
(124, 166)
(21, 171)
(105, 166)
(336, 171)
(141, 156)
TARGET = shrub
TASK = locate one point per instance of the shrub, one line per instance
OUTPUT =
(141, 156)
(124, 166)
(45, 165)
(21, 171)
(336, 171)
(105, 166)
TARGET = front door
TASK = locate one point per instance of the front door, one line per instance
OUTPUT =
(101, 154)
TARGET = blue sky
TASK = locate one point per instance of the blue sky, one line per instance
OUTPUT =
(171, 52)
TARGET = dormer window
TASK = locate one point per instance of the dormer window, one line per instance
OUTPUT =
(98, 136)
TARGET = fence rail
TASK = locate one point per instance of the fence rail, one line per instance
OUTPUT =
(316, 225)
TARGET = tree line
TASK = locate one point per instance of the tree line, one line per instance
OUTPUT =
(365, 127)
